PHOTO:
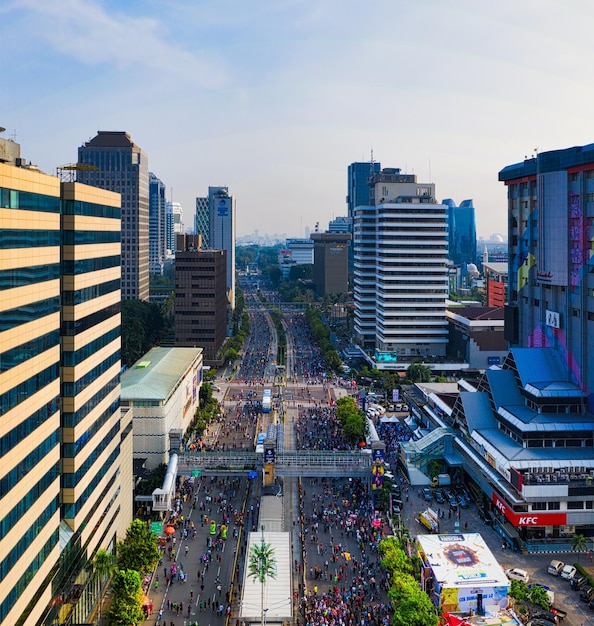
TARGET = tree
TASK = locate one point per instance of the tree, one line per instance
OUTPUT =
(538, 595)
(418, 373)
(126, 606)
(262, 565)
(579, 543)
(412, 606)
(102, 569)
(139, 549)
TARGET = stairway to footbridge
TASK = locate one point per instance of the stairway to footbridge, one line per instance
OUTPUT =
(302, 463)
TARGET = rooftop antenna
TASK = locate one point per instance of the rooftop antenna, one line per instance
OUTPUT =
(371, 163)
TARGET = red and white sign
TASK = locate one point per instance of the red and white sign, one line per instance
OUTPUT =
(528, 519)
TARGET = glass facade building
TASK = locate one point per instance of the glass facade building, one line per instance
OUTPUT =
(114, 162)
(462, 232)
(157, 225)
(66, 459)
(202, 221)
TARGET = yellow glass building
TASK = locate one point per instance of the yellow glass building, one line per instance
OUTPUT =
(65, 446)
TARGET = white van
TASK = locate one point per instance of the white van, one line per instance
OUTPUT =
(568, 572)
(516, 573)
(555, 567)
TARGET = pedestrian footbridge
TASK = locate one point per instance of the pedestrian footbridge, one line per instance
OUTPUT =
(287, 463)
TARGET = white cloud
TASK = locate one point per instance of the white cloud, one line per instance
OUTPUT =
(85, 31)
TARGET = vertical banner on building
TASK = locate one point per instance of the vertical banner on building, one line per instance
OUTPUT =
(395, 395)
(378, 468)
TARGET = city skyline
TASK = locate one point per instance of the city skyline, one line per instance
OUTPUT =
(275, 100)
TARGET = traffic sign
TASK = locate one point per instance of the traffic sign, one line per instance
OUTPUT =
(196, 473)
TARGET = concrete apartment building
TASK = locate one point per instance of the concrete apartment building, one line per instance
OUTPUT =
(201, 303)
(65, 445)
(113, 161)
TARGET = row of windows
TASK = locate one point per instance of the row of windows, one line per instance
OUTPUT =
(27, 201)
(70, 450)
(27, 575)
(29, 313)
(70, 329)
(81, 237)
(91, 265)
(77, 207)
(70, 511)
(20, 354)
(580, 504)
(546, 506)
(17, 434)
(72, 298)
(27, 388)
(27, 537)
(71, 479)
(19, 512)
(71, 419)
(19, 471)
(24, 276)
(71, 359)
(13, 238)
(70, 390)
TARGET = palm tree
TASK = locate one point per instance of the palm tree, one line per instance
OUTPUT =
(262, 565)
(579, 543)
(102, 569)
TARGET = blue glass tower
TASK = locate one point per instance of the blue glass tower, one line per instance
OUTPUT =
(462, 232)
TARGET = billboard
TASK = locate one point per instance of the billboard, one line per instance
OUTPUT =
(223, 207)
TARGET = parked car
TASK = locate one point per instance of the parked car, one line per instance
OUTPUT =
(591, 605)
(463, 502)
(555, 567)
(453, 502)
(427, 494)
(586, 593)
(577, 582)
(568, 572)
(515, 573)
(546, 615)
(439, 497)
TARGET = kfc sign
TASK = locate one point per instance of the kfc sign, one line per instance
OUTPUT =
(528, 519)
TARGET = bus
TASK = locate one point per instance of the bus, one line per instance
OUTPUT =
(266, 401)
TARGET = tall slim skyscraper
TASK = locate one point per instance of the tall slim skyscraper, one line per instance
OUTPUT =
(551, 267)
(358, 174)
(222, 231)
(202, 221)
(157, 225)
(401, 276)
(462, 232)
(121, 166)
(65, 449)
(175, 221)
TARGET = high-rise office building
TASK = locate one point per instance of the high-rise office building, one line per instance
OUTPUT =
(222, 232)
(202, 221)
(66, 450)
(118, 164)
(401, 275)
(358, 175)
(200, 296)
(462, 232)
(175, 221)
(551, 276)
(330, 270)
(157, 225)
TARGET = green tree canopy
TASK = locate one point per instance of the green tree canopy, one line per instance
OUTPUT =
(143, 326)
(418, 373)
(412, 606)
(126, 606)
(139, 549)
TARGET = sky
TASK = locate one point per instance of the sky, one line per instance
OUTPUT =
(275, 98)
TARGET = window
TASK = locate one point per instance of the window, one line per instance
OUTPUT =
(554, 506)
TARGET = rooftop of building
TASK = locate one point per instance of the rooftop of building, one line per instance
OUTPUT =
(498, 268)
(110, 139)
(478, 313)
(157, 373)
(551, 161)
